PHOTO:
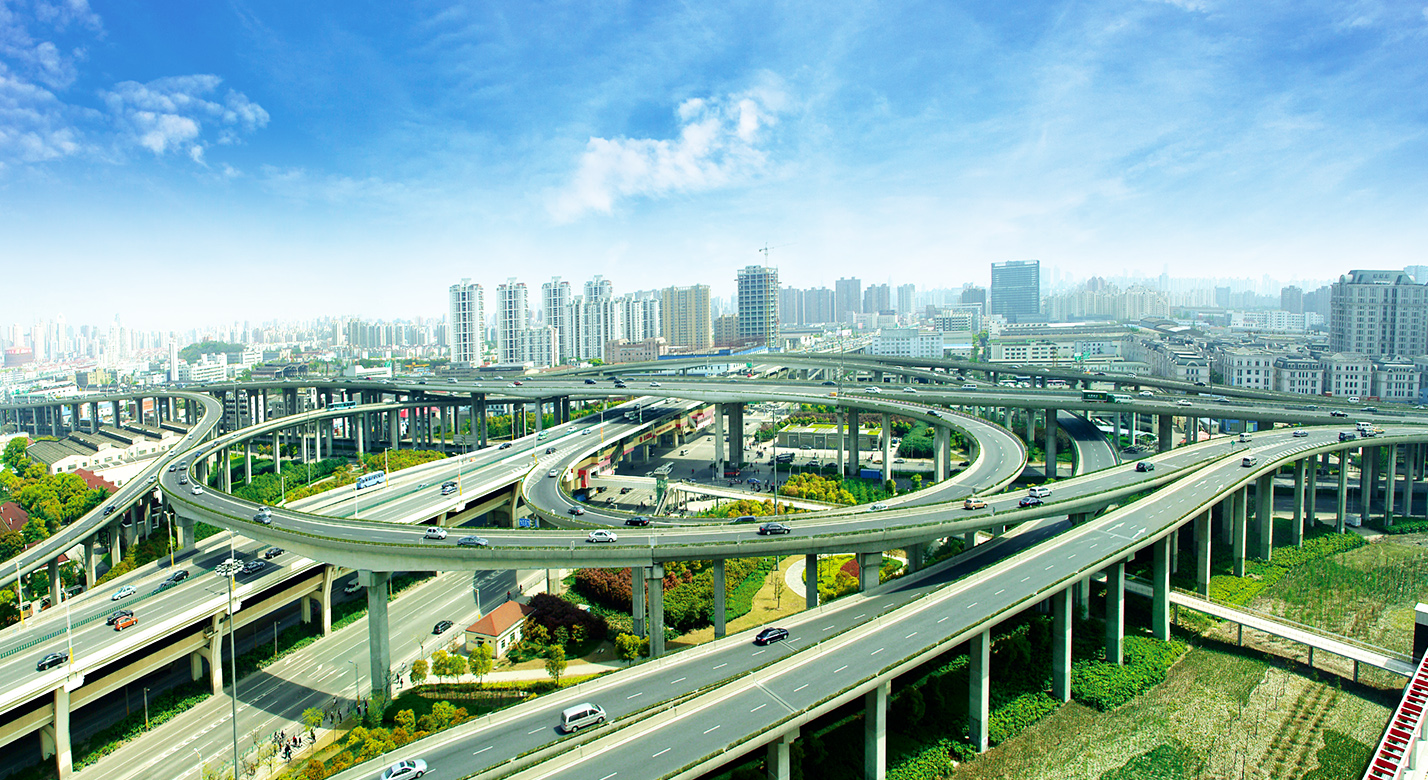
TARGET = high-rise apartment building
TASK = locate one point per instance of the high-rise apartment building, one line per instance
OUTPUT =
(1016, 290)
(685, 318)
(790, 306)
(1379, 314)
(847, 298)
(906, 299)
(466, 329)
(639, 316)
(600, 318)
(555, 310)
(758, 304)
(819, 306)
(877, 299)
(1291, 299)
(512, 317)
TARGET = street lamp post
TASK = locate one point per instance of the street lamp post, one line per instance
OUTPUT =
(228, 570)
(146, 708)
(356, 682)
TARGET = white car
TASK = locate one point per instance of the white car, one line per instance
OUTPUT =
(872, 390)
(434, 533)
(1182, 402)
(654, 384)
(123, 593)
(877, 507)
(1146, 393)
(553, 473)
(198, 490)
(601, 536)
(404, 770)
(908, 390)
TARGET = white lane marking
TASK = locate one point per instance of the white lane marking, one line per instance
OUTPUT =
(1052, 566)
(1000, 592)
(1024, 579)
(721, 666)
(706, 731)
(612, 774)
(841, 668)
(662, 752)
(909, 636)
(483, 750)
(859, 617)
(942, 619)
(973, 604)
(761, 651)
(680, 680)
(761, 706)
(537, 731)
(1097, 544)
(633, 695)
(875, 652)
(801, 687)
(829, 628)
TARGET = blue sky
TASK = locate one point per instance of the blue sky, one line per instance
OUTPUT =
(186, 163)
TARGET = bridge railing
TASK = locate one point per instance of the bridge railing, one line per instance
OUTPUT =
(1395, 755)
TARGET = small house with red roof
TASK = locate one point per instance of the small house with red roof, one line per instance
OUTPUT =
(500, 628)
(13, 516)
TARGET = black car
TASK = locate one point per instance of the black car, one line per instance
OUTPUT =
(620, 385)
(178, 576)
(273, 552)
(472, 541)
(637, 520)
(441, 626)
(108, 510)
(1144, 466)
(768, 529)
(576, 510)
(50, 661)
(1338, 414)
(254, 566)
(1029, 501)
(771, 635)
(549, 450)
(590, 381)
(505, 446)
(830, 384)
(116, 614)
(625, 490)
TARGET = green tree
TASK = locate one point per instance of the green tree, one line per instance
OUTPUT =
(628, 646)
(15, 456)
(12, 543)
(482, 659)
(441, 664)
(35, 530)
(419, 670)
(312, 718)
(555, 663)
(406, 719)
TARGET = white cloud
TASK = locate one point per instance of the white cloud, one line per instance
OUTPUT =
(718, 145)
(169, 113)
(33, 122)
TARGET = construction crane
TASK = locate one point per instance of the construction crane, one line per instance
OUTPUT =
(766, 249)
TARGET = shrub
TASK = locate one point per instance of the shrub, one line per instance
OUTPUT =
(1106, 686)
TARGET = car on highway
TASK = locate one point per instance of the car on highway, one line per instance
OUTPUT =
(178, 576)
(933, 413)
(830, 384)
(1348, 435)
(549, 450)
(50, 661)
(909, 390)
(1183, 402)
(553, 473)
(771, 635)
(620, 385)
(576, 510)
(637, 520)
(153, 478)
(1249, 461)
(504, 446)
(877, 507)
(625, 490)
(590, 381)
(448, 487)
(1336, 413)
(472, 541)
(601, 536)
(742, 519)
(254, 566)
(1353, 399)
(273, 552)
(1145, 466)
(654, 384)
(116, 614)
(352, 587)
(1301, 433)
(405, 770)
(123, 593)
(434, 533)
(969, 386)
(109, 510)
(972, 502)
(572, 719)
(198, 490)
(1039, 491)
(124, 622)
(516, 384)
(1027, 501)
(1146, 394)
(441, 627)
(770, 529)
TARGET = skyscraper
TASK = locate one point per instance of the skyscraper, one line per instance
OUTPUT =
(512, 317)
(847, 298)
(1016, 290)
(818, 306)
(555, 310)
(1291, 299)
(906, 299)
(877, 299)
(1379, 314)
(600, 318)
(758, 304)
(684, 317)
(467, 328)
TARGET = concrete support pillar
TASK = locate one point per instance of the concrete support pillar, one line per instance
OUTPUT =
(1311, 490)
(379, 649)
(779, 764)
(842, 442)
(736, 434)
(869, 565)
(942, 453)
(719, 434)
(359, 430)
(1391, 485)
(810, 581)
(539, 405)
(52, 569)
(1115, 612)
(1160, 581)
(637, 599)
(1239, 529)
(1061, 645)
(89, 562)
(1368, 457)
(1343, 507)
(1050, 446)
(887, 447)
(58, 734)
(1296, 524)
(1264, 516)
(720, 593)
(854, 437)
(277, 452)
(1164, 432)
(875, 731)
(656, 594)
(214, 654)
(915, 553)
(1081, 597)
(979, 689)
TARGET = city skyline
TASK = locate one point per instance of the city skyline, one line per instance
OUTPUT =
(233, 173)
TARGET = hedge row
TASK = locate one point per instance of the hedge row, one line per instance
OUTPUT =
(1105, 686)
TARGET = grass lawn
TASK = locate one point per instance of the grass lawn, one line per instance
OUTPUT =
(769, 605)
(1220, 713)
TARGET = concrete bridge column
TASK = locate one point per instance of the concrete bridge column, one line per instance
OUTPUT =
(1115, 612)
(855, 436)
(1264, 515)
(1160, 581)
(720, 593)
(88, 545)
(778, 763)
(979, 689)
(842, 442)
(1343, 508)
(719, 433)
(915, 553)
(1081, 596)
(1164, 433)
(875, 731)
(53, 570)
(810, 581)
(539, 405)
(379, 650)
(214, 655)
(638, 575)
(1050, 443)
(656, 594)
(248, 461)
(869, 566)
(394, 430)
(887, 447)
(225, 477)
(941, 453)
(322, 599)
(1296, 525)
(185, 540)
(1061, 645)
(1311, 490)
(736, 434)
(1391, 486)
(277, 452)
(1030, 426)
(359, 422)
(54, 738)
(1239, 524)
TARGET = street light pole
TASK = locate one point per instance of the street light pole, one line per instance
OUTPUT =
(146, 708)
(228, 569)
(356, 682)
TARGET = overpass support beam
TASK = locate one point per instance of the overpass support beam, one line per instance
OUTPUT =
(1061, 645)
(1311, 489)
(1296, 523)
(322, 599)
(810, 581)
(1115, 612)
(638, 575)
(915, 553)
(278, 452)
(979, 690)
(855, 437)
(379, 648)
(779, 763)
(842, 443)
(185, 536)
(539, 405)
(887, 447)
(875, 731)
(1050, 447)
(54, 738)
(1164, 432)
(89, 560)
(656, 594)
(1238, 529)
(1264, 515)
(1342, 511)
(1160, 583)
(1081, 597)
(720, 593)
(736, 434)
(214, 655)
(719, 434)
(869, 567)
(1368, 458)
(1391, 486)
(941, 453)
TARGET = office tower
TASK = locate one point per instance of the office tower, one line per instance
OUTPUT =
(877, 299)
(974, 294)
(1016, 290)
(906, 299)
(1379, 314)
(512, 317)
(467, 327)
(685, 317)
(1291, 299)
(847, 298)
(555, 311)
(758, 304)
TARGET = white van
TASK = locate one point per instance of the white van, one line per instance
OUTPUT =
(1244, 437)
(572, 719)
(1039, 491)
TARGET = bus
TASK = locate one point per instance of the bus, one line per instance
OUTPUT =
(341, 404)
(1102, 395)
(371, 480)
